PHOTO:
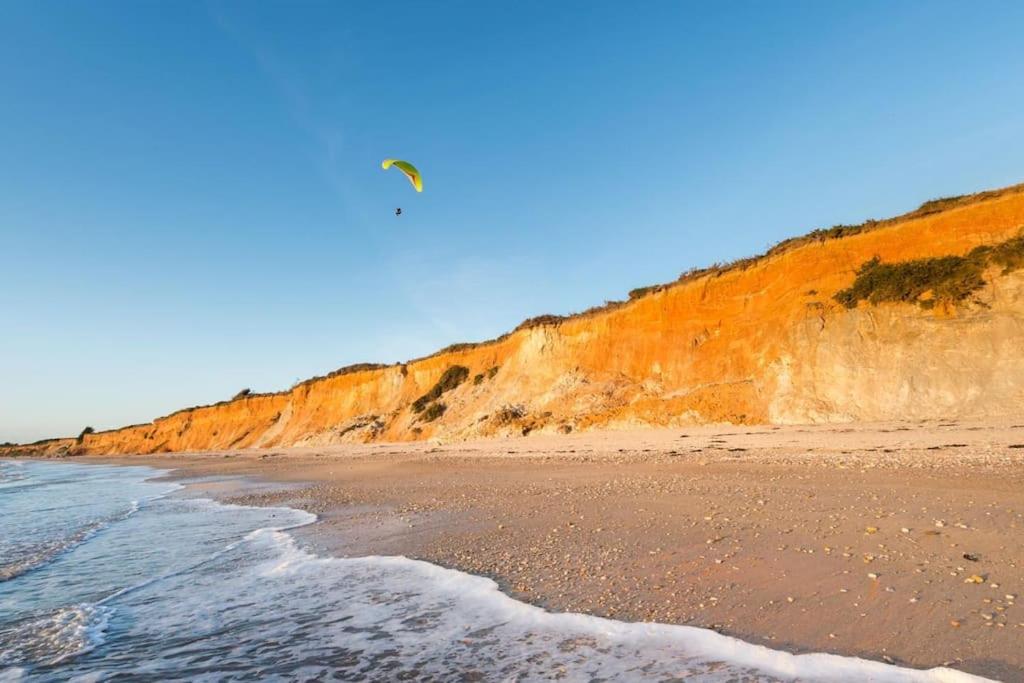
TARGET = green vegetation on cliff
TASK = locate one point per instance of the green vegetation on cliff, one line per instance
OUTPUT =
(927, 281)
(452, 377)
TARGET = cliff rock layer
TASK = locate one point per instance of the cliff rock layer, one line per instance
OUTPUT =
(764, 340)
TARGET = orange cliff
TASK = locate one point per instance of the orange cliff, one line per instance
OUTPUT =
(762, 341)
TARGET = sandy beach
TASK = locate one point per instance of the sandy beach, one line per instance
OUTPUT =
(895, 542)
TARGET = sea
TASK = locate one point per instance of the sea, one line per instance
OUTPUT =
(110, 573)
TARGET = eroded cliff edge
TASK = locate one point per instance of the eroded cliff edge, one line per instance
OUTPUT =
(763, 340)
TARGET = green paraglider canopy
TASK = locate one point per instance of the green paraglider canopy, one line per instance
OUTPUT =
(408, 169)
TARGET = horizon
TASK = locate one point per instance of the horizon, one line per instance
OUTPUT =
(174, 238)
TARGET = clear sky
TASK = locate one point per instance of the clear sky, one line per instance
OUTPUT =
(191, 199)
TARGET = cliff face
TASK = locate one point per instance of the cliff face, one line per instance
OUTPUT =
(765, 342)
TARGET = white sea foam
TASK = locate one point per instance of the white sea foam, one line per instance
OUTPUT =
(53, 638)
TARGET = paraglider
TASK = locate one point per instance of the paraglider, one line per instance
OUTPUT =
(408, 169)
(410, 172)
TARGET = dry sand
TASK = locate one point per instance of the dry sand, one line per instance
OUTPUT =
(902, 542)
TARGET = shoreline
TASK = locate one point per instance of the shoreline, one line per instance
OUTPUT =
(845, 539)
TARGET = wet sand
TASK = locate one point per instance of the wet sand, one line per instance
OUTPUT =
(896, 542)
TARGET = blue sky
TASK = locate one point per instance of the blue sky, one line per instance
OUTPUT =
(191, 200)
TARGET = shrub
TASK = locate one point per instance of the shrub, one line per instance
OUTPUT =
(434, 411)
(241, 394)
(81, 435)
(641, 292)
(453, 348)
(1009, 254)
(540, 321)
(489, 374)
(347, 370)
(940, 204)
(949, 279)
(452, 377)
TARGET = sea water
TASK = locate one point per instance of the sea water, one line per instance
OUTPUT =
(107, 573)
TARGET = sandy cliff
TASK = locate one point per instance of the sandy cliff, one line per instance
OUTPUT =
(764, 341)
